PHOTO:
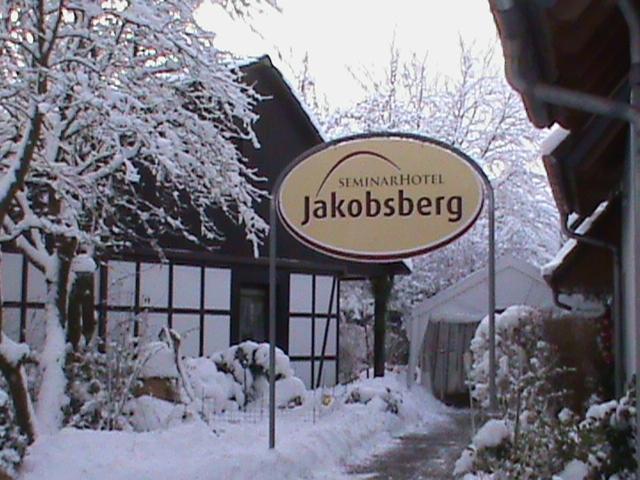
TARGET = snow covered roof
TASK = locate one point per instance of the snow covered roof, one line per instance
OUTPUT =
(556, 136)
(295, 97)
(570, 246)
(517, 282)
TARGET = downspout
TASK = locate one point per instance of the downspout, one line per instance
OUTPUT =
(559, 303)
(616, 304)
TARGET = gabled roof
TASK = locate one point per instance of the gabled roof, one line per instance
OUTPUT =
(264, 68)
(285, 129)
(504, 265)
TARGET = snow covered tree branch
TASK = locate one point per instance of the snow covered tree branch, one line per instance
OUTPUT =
(118, 121)
(477, 112)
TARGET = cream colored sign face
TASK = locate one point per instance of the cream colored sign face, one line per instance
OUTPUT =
(380, 198)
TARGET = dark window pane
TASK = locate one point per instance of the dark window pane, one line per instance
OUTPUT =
(253, 314)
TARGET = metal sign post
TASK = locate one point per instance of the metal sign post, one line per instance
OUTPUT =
(272, 317)
(425, 162)
(493, 395)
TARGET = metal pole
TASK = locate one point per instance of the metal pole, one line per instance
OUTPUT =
(632, 18)
(272, 320)
(493, 396)
(632, 292)
(616, 304)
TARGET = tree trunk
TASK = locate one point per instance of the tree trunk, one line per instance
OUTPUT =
(52, 397)
(381, 287)
(15, 377)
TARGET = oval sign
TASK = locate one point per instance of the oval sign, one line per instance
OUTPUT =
(380, 198)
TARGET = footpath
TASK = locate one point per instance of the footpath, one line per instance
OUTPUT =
(430, 455)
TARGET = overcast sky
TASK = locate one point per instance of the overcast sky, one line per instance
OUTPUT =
(355, 34)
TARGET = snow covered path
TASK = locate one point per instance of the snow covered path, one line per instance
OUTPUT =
(430, 455)
(347, 433)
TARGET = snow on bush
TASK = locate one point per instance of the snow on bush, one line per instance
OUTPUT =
(13, 443)
(148, 413)
(99, 384)
(290, 392)
(248, 364)
(230, 380)
(158, 361)
(388, 400)
(575, 470)
(538, 436)
(103, 387)
(521, 356)
(213, 388)
(492, 440)
(492, 434)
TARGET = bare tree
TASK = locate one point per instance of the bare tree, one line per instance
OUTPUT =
(477, 112)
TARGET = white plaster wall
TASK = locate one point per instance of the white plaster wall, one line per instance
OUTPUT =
(188, 326)
(11, 323)
(321, 324)
(122, 283)
(35, 328)
(37, 286)
(300, 293)
(186, 287)
(217, 288)
(323, 295)
(151, 324)
(328, 373)
(302, 370)
(120, 326)
(154, 285)
(217, 332)
(300, 329)
(11, 277)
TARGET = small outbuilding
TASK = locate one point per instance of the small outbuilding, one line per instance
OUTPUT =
(441, 327)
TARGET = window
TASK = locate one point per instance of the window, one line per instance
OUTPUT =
(253, 314)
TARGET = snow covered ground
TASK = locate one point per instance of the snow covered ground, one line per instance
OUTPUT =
(343, 433)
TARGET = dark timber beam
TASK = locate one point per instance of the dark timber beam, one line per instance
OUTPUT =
(381, 288)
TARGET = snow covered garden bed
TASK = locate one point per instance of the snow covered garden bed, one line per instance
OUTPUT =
(317, 432)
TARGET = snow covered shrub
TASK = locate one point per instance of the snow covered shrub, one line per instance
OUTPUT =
(536, 441)
(158, 374)
(561, 446)
(100, 383)
(214, 390)
(489, 447)
(147, 413)
(248, 364)
(526, 365)
(606, 437)
(13, 443)
(390, 400)
(356, 342)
